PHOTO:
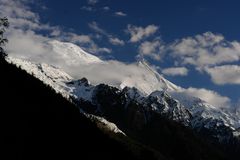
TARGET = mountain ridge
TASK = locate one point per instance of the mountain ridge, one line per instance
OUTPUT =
(62, 85)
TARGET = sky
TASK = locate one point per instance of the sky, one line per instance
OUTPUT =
(193, 43)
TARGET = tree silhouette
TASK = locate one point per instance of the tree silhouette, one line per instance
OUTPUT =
(3, 25)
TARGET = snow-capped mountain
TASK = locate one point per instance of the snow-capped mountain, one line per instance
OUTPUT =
(148, 82)
(149, 93)
(64, 84)
(73, 54)
(50, 75)
(199, 107)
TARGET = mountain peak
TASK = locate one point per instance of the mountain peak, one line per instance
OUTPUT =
(161, 83)
(72, 53)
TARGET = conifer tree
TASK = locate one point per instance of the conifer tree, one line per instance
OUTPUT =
(3, 25)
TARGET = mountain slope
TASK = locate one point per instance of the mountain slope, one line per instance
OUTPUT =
(147, 80)
(203, 115)
(150, 93)
(37, 123)
(73, 54)
(50, 75)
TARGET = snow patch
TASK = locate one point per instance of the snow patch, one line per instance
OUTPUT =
(106, 124)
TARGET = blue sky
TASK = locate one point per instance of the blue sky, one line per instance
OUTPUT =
(194, 43)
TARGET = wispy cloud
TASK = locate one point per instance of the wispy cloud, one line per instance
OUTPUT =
(120, 14)
(116, 41)
(153, 49)
(87, 8)
(175, 71)
(95, 27)
(106, 8)
(112, 39)
(139, 33)
(92, 2)
(20, 16)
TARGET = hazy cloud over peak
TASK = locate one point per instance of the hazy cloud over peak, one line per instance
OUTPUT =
(208, 96)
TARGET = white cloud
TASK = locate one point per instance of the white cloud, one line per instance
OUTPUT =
(106, 8)
(138, 33)
(113, 40)
(32, 46)
(24, 21)
(226, 74)
(104, 50)
(152, 49)
(95, 27)
(175, 71)
(28, 45)
(116, 41)
(87, 8)
(207, 49)
(85, 41)
(120, 14)
(92, 2)
(208, 96)
(56, 32)
(19, 15)
(75, 38)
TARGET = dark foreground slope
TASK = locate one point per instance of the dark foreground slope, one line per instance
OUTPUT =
(37, 123)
